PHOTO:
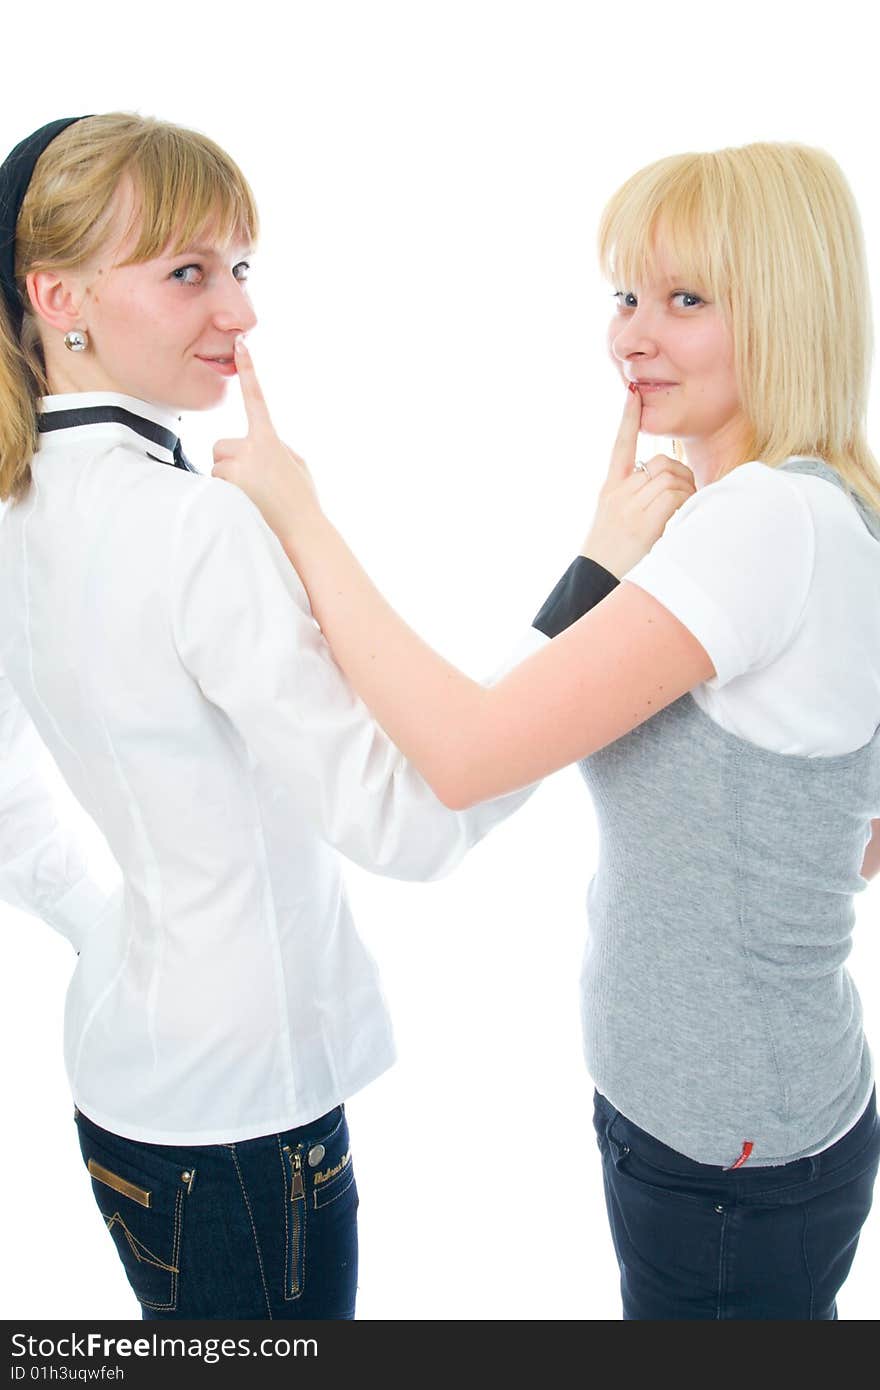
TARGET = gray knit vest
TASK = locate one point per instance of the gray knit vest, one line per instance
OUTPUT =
(718, 1010)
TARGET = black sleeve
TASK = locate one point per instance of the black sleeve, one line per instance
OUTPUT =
(584, 584)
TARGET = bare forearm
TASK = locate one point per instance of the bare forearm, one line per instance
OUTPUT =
(871, 861)
(429, 708)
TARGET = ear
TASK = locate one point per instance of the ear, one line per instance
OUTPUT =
(57, 297)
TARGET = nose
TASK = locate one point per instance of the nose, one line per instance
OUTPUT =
(233, 311)
(633, 336)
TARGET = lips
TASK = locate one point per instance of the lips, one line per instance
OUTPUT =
(647, 389)
(225, 366)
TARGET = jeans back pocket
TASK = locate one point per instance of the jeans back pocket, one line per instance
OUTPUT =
(142, 1199)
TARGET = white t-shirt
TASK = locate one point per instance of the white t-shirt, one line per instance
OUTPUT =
(777, 576)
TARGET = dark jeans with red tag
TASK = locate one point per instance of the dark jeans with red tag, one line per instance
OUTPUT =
(263, 1228)
(696, 1241)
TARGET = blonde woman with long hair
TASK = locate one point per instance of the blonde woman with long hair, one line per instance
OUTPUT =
(154, 636)
(724, 705)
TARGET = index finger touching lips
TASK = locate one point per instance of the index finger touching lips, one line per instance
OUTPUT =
(255, 406)
(623, 454)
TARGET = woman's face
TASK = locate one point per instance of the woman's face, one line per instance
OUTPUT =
(152, 326)
(670, 339)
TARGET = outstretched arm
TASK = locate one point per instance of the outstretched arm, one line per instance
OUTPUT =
(611, 670)
(614, 668)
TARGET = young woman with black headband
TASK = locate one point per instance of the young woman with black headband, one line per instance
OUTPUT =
(154, 636)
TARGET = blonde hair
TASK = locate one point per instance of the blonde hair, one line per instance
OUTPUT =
(182, 181)
(772, 232)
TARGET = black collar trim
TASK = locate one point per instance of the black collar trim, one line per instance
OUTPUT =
(49, 420)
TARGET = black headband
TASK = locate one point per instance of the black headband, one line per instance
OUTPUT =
(15, 175)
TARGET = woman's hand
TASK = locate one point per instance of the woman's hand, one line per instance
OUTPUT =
(261, 464)
(634, 507)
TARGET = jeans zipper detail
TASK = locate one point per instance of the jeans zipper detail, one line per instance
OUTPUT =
(297, 1211)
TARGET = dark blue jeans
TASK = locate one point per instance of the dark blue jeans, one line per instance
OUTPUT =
(263, 1228)
(696, 1241)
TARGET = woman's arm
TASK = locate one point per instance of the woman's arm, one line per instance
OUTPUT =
(607, 673)
(871, 861)
(43, 868)
(584, 584)
(611, 670)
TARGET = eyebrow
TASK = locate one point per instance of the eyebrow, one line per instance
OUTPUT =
(203, 251)
(669, 281)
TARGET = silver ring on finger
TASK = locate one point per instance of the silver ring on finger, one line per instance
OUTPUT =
(640, 467)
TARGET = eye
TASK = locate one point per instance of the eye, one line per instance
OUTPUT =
(241, 271)
(180, 274)
(621, 297)
(694, 298)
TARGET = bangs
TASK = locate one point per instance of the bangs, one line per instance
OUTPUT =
(670, 211)
(185, 189)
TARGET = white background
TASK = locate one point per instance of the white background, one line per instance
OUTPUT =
(430, 178)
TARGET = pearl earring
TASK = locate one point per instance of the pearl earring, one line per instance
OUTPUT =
(77, 340)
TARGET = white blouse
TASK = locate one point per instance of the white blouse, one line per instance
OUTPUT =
(155, 636)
